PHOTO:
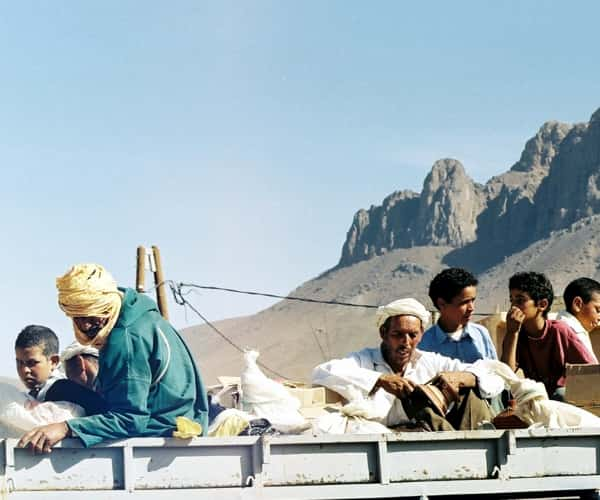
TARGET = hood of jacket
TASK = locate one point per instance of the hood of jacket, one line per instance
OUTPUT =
(134, 305)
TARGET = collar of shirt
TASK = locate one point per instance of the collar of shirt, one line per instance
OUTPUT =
(54, 376)
(572, 321)
(441, 336)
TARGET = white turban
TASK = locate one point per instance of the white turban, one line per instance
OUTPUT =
(77, 349)
(402, 307)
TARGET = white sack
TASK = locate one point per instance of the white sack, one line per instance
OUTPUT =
(339, 423)
(365, 407)
(19, 413)
(355, 417)
(533, 405)
(268, 399)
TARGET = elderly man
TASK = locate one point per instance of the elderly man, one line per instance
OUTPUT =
(80, 363)
(146, 373)
(390, 373)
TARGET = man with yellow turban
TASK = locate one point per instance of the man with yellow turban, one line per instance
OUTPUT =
(146, 372)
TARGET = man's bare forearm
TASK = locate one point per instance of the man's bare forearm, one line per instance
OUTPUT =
(459, 380)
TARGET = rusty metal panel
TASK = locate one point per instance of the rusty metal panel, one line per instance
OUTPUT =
(321, 463)
(67, 469)
(192, 467)
(564, 454)
(435, 460)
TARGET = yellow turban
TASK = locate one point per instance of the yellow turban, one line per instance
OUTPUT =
(88, 290)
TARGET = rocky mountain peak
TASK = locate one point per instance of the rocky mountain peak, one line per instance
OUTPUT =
(541, 148)
(444, 170)
(444, 214)
(572, 189)
(381, 228)
(448, 206)
(555, 183)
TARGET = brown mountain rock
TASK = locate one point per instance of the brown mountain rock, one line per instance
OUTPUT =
(543, 214)
(448, 206)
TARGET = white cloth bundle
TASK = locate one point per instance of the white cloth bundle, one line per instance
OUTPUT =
(19, 413)
(355, 417)
(533, 405)
(268, 399)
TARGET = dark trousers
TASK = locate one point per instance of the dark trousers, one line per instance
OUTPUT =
(466, 414)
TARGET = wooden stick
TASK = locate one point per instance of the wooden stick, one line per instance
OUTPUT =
(140, 274)
(161, 295)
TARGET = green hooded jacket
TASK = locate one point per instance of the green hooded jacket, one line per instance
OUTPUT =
(147, 376)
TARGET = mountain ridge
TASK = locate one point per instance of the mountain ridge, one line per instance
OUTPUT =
(454, 210)
(542, 214)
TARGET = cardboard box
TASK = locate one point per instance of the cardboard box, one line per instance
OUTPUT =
(496, 325)
(227, 392)
(332, 397)
(582, 387)
(310, 396)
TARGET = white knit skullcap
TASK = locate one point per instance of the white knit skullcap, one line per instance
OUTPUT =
(402, 307)
(77, 349)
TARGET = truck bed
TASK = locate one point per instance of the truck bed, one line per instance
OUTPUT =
(418, 465)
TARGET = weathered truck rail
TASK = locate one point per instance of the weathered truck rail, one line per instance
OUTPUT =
(517, 462)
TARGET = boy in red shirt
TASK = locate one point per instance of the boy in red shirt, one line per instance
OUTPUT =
(541, 347)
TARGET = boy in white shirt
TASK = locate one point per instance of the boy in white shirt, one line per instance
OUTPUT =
(36, 355)
(582, 300)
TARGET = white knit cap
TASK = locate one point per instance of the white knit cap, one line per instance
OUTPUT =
(402, 307)
(76, 349)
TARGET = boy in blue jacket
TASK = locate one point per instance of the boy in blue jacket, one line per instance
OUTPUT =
(453, 293)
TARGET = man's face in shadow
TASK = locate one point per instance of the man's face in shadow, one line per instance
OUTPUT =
(90, 325)
(82, 369)
(400, 336)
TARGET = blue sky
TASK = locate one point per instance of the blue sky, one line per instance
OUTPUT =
(241, 137)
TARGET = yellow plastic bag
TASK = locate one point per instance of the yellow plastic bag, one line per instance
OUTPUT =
(229, 423)
(187, 428)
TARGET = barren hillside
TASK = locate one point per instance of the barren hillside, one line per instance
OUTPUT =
(293, 337)
(394, 250)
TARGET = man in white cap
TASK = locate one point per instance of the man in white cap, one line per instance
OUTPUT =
(390, 373)
(80, 363)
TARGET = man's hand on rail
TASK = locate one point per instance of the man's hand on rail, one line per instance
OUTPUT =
(42, 439)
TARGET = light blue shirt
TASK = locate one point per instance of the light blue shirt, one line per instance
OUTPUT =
(474, 343)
